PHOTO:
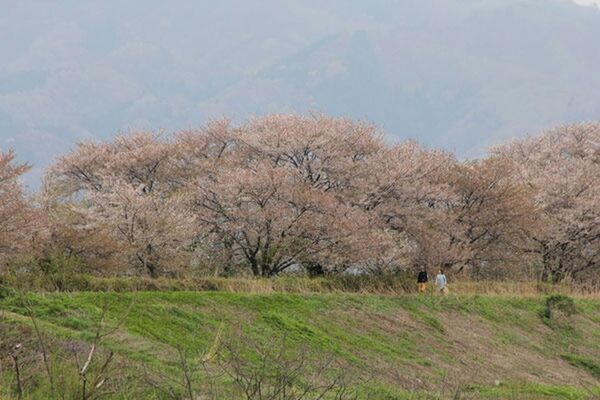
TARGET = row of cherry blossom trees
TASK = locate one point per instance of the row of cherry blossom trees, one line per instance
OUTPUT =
(314, 193)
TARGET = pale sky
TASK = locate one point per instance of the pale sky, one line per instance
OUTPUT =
(588, 2)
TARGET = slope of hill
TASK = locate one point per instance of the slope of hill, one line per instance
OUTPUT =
(396, 347)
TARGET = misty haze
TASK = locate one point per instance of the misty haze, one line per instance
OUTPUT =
(460, 75)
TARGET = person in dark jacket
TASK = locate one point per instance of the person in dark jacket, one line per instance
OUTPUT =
(422, 281)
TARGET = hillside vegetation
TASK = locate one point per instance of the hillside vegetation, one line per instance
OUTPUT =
(400, 347)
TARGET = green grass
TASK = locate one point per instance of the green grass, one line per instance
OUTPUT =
(590, 365)
(391, 341)
(523, 391)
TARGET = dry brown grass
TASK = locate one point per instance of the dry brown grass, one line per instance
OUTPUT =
(522, 289)
(378, 285)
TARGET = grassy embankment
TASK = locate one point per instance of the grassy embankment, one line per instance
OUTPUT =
(396, 347)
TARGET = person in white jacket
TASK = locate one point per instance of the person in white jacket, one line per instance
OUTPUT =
(441, 282)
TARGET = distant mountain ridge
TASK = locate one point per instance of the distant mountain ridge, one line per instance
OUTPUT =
(459, 74)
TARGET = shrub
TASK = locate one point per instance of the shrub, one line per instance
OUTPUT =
(559, 308)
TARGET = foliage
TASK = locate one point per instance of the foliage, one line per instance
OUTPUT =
(311, 194)
(562, 167)
(20, 222)
(558, 309)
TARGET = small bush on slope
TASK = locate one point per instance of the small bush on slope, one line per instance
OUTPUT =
(558, 311)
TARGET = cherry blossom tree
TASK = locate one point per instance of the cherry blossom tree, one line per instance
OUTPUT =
(329, 153)
(153, 230)
(453, 213)
(19, 221)
(129, 193)
(281, 195)
(489, 215)
(562, 166)
(268, 218)
(404, 185)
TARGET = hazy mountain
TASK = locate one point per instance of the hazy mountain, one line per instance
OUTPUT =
(461, 74)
